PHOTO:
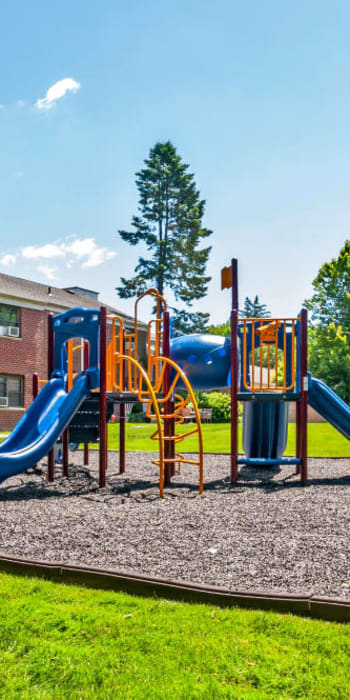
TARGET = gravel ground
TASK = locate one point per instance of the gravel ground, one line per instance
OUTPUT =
(266, 533)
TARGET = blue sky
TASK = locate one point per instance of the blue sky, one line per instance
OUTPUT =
(255, 96)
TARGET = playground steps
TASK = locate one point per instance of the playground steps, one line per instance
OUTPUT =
(85, 425)
(127, 396)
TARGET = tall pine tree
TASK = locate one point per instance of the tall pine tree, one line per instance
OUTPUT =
(170, 225)
(254, 309)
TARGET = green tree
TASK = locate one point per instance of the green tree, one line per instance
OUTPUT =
(254, 309)
(329, 357)
(330, 302)
(251, 309)
(169, 224)
(221, 329)
(187, 322)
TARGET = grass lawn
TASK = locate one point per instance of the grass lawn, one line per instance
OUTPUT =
(324, 440)
(67, 642)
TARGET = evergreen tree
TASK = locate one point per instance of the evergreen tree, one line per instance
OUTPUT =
(170, 225)
(254, 309)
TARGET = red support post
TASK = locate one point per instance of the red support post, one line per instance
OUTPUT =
(103, 397)
(65, 453)
(35, 385)
(86, 365)
(122, 416)
(304, 395)
(169, 445)
(234, 371)
(35, 389)
(50, 366)
(297, 434)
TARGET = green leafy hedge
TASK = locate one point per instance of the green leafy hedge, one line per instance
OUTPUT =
(219, 402)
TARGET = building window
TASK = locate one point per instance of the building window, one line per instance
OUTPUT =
(11, 391)
(9, 321)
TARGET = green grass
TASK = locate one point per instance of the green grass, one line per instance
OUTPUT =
(61, 641)
(324, 440)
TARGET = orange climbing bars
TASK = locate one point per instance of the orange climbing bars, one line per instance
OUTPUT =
(180, 403)
(263, 361)
(154, 386)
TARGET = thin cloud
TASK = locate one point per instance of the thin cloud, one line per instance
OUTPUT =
(8, 259)
(56, 92)
(49, 272)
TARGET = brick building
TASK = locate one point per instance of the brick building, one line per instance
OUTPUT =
(24, 307)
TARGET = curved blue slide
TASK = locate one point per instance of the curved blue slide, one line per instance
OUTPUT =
(326, 402)
(40, 427)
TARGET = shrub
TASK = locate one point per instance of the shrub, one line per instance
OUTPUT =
(219, 402)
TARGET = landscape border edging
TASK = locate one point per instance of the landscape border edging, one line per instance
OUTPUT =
(324, 608)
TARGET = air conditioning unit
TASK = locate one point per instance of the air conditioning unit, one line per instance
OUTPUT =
(13, 331)
(4, 402)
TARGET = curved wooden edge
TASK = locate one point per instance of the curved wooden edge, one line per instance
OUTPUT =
(137, 584)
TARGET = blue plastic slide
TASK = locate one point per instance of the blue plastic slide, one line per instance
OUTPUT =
(37, 431)
(326, 402)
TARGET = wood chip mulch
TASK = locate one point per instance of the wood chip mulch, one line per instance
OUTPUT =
(266, 533)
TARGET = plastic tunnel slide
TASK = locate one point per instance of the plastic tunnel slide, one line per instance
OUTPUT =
(205, 359)
(40, 427)
(326, 402)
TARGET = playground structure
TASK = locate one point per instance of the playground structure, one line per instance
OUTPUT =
(77, 405)
(264, 363)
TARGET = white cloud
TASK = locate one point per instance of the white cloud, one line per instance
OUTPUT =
(50, 250)
(65, 254)
(83, 250)
(48, 271)
(87, 248)
(8, 259)
(56, 92)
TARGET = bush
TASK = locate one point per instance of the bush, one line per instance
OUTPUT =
(219, 402)
(137, 415)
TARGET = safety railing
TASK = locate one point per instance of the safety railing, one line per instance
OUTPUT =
(71, 349)
(269, 354)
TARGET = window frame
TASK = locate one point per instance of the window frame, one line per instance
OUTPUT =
(4, 377)
(8, 323)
